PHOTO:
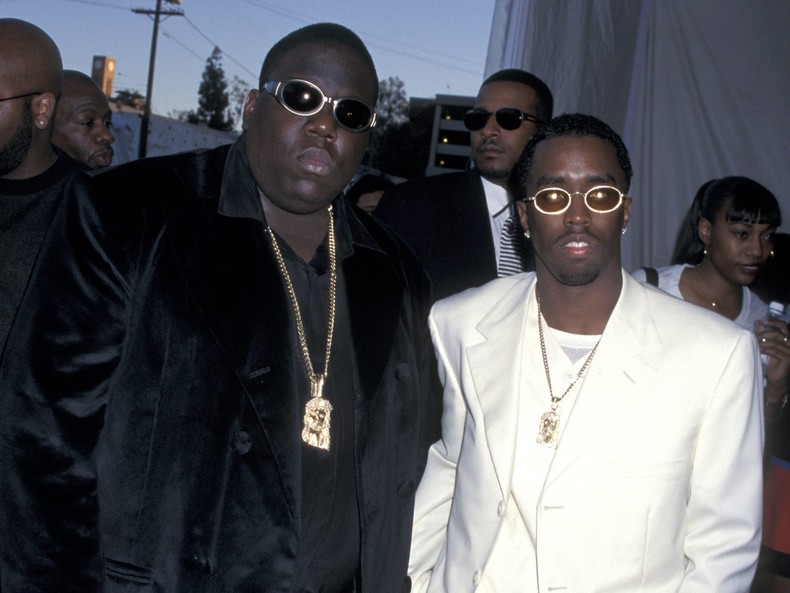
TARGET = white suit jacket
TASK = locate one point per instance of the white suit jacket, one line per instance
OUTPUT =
(656, 483)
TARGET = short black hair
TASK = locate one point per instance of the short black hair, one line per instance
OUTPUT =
(318, 33)
(740, 199)
(569, 124)
(545, 98)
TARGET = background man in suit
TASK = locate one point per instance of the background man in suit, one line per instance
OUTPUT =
(455, 222)
(598, 435)
(216, 381)
(32, 173)
(84, 120)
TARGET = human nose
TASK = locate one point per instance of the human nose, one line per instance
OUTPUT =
(322, 123)
(577, 212)
(491, 127)
(104, 135)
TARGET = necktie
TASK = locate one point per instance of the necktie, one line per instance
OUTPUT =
(509, 248)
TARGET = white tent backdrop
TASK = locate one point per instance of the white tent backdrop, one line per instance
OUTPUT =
(697, 88)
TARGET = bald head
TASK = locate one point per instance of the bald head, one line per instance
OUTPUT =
(31, 80)
(30, 59)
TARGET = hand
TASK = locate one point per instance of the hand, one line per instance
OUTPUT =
(773, 337)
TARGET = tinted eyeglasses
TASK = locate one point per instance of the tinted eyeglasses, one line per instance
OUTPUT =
(600, 199)
(304, 98)
(21, 96)
(508, 118)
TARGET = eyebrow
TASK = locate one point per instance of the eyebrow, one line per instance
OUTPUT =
(558, 179)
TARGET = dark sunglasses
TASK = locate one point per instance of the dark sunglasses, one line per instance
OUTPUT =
(304, 98)
(21, 96)
(508, 118)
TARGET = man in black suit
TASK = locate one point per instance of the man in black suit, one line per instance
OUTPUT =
(215, 382)
(454, 222)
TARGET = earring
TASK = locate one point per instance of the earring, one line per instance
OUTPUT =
(625, 228)
(527, 235)
(41, 123)
(705, 250)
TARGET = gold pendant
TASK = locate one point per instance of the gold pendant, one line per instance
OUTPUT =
(548, 429)
(317, 416)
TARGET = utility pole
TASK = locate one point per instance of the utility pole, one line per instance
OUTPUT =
(142, 148)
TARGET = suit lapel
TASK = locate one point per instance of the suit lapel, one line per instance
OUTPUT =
(233, 279)
(375, 294)
(472, 224)
(614, 381)
(496, 374)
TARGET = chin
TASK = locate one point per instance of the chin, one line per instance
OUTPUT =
(580, 278)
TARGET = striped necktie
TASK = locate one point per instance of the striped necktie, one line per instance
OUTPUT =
(509, 248)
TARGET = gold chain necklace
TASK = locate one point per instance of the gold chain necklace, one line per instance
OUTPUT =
(317, 411)
(548, 429)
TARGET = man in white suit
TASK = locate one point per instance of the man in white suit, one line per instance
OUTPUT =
(597, 435)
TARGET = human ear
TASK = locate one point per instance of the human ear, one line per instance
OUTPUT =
(249, 107)
(521, 208)
(43, 108)
(704, 229)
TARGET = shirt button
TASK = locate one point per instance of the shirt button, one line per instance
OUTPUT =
(476, 578)
(242, 442)
(500, 508)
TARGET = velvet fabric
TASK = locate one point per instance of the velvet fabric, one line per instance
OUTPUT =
(150, 429)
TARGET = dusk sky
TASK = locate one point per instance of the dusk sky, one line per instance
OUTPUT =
(434, 46)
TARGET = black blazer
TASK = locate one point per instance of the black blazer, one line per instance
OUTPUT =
(445, 220)
(150, 433)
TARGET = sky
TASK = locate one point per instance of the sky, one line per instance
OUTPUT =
(433, 46)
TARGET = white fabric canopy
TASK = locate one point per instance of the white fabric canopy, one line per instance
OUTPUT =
(697, 88)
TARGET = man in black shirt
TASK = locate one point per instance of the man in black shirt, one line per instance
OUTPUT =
(226, 372)
(32, 172)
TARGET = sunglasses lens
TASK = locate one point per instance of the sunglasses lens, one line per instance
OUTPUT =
(551, 200)
(353, 114)
(475, 119)
(603, 199)
(302, 98)
(509, 119)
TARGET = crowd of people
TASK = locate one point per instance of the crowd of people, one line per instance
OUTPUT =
(221, 374)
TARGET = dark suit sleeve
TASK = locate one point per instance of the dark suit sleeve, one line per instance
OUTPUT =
(59, 358)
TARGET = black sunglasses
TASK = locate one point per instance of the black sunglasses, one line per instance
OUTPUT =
(21, 96)
(304, 98)
(508, 118)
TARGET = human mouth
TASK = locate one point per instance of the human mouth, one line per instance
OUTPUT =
(316, 161)
(576, 246)
(490, 149)
(103, 158)
(750, 269)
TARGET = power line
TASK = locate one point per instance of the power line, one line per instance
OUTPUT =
(225, 54)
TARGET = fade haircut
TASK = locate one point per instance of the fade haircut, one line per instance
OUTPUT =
(569, 124)
(545, 98)
(740, 199)
(318, 33)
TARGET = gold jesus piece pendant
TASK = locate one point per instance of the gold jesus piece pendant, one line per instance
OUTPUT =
(317, 415)
(549, 428)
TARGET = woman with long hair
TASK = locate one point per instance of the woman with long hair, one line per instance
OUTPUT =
(725, 241)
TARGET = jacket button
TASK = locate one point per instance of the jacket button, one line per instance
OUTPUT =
(402, 372)
(242, 442)
(500, 509)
